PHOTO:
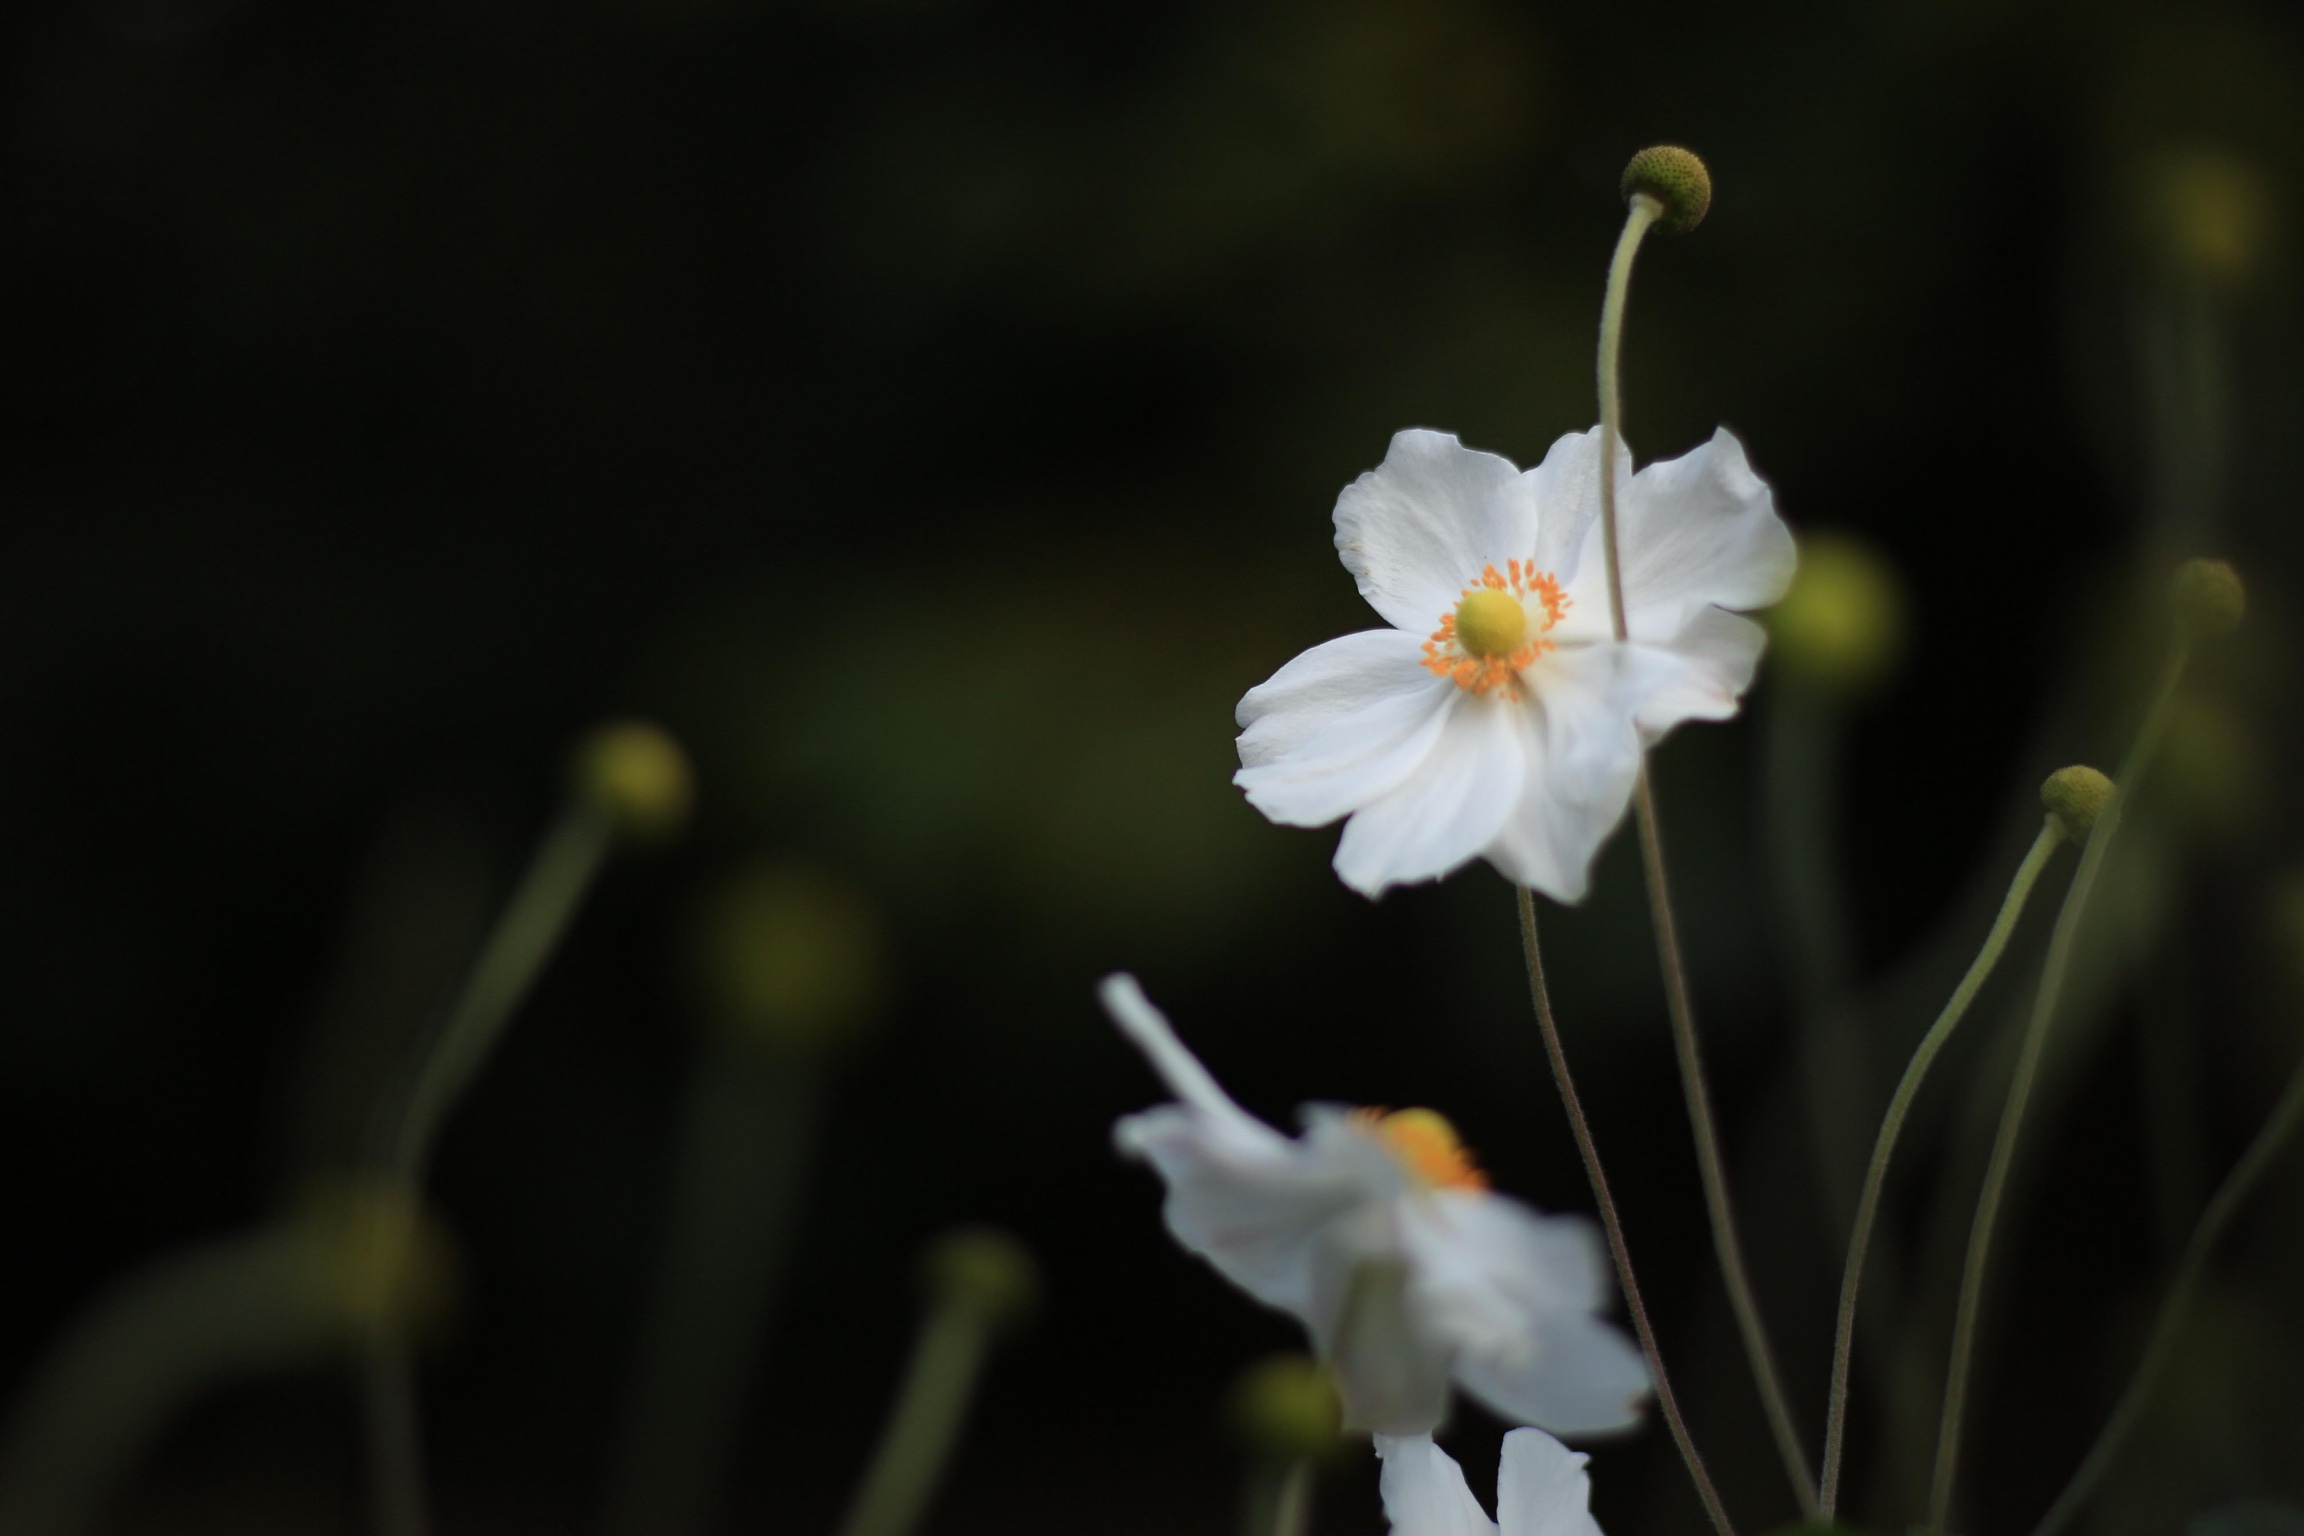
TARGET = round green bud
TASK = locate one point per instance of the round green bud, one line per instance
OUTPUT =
(1674, 177)
(790, 958)
(2076, 796)
(2207, 215)
(1285, 1406)
(2209, 599)
(1841, 627)
(376, 1255)
(984, 1271)
(640, 776)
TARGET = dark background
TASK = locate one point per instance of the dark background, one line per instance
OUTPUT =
(931, 411)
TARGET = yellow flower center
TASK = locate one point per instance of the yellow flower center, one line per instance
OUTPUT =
(1426, 1145)
(1485, 641)
(1490, 623)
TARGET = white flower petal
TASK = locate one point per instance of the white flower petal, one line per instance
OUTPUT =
(1420, 526)
(1258, 1209)
(1148, 1029)
(1567, 486)
(1577, 1375)
(1450, 808)
(1713, 659)
(1341, 725)
(1542, 1488)
(1583, 754)
(1700, 531)
(1424, 1491)
(1391, 1370)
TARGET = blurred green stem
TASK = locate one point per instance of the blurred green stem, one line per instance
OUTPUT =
(219, 1311)
(1279, 1498)
(2052, 975)
(2168, 1327)
(747, 1131)
(1710, 1164)
(514, 954)
(930, 1407)
(1892, 1126)
(1610, 1222)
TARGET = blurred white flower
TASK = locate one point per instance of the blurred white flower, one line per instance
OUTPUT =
(1542, 1489)
(1499, 717)
(1378, 1232)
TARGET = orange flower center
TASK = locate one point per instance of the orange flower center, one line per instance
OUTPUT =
(1426, 1145)
(1498, 627)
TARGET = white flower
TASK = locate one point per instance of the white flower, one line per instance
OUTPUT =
(1499, 717)
(1542, 1489)
(1379, 1234)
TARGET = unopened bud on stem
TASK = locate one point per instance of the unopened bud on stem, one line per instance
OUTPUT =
(1285, 1407)
(2209, 599)
(2076, 796)
(984, 1271)
(638, 773)
(1674, 177)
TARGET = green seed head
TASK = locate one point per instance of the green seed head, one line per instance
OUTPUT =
(985, 1271)
(2076, 796)
(1677, 179)
(2209, 599)
(1285, 1407)
(638, 773)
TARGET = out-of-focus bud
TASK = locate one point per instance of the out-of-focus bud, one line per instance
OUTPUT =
(1842, 625)
(1285, 1407)
(984, 1271)
(378, 1257)
(790, 958)
(2208, 598)
(639, 774)
(2208, 215)
(2076, 796)
(1674, 177)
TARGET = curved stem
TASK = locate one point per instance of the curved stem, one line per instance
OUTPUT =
(2167, 1328)
(921, 1432)
(2052, 972)
(1610, 1222)
(1892, 1126)
(1644, 212)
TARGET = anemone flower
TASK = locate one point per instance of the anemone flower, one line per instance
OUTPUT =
(1500, 717)
(1542, 1489)
(1377, 1232)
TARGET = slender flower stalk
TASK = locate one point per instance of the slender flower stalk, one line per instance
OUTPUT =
(981, 1282)
(2168, 1328)
(1892, 1126)
(1612, 1223)
(2052, 973)
(1647, 210)
(631, 781)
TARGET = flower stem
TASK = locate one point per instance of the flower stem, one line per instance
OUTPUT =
(1892, 1126)
(1644, 212)
(1610, 1222)
(918, 1440)
(2052, 972)
(401, 1142)
(2167, 1328)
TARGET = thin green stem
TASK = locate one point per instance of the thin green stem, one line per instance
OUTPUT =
(925, 1424)
(1610, 1222)
(1892, 1126)
(1644, 212)
(402, 1140)
(2167, 1328)
(2053, 968)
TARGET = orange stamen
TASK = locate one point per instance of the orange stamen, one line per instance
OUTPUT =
(1425, 1143)
(1444, 653)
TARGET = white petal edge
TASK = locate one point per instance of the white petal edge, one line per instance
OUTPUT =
(1342, 725)
(1441, 816)
(1542, 1488)
(1148, 1029)
(1424, 1490)
(1700, 531)
(1418, 528)
(1580, 1377)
